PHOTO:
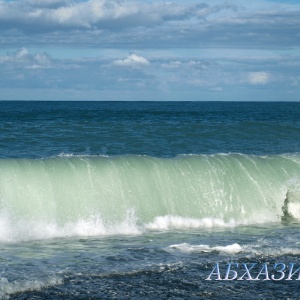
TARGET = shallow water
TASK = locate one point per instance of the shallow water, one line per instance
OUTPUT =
(155, 264)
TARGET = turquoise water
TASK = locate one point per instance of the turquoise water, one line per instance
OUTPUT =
(123, 200)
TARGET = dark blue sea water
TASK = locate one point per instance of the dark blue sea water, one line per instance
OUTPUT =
(143, 200)
(161, 129)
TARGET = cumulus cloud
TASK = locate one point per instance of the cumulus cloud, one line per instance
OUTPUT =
(258, 78)
(23, 59)
(132, 60)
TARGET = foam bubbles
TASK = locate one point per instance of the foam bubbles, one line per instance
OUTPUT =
(187, 248)
(177, 222)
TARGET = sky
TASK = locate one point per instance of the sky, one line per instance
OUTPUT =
(150, 50)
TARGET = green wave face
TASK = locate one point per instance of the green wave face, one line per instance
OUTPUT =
(116, 190)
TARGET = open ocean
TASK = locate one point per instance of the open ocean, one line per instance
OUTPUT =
(148, 200)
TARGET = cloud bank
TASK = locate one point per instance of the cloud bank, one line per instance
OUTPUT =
(150, 50)
(144, 24)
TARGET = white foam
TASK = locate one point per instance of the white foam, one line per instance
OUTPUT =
(251, 250)
(187, 248)
(177, 222)
(294, 210)
(9, 288)
(261, 248)
(22, 230)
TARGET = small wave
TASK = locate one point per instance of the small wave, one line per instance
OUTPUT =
(248, 250)
(9, 288)
(187, 248)
(274, 251)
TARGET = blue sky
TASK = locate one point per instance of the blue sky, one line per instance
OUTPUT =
(150, 50)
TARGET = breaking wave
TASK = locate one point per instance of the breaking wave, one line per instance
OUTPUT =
(75, 196)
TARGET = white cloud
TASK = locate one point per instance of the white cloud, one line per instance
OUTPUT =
(93, 13)
(23, 59)
(191, 64)
(138, 24)
(132, 60)
(258, 78)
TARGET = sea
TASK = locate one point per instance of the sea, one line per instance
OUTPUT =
(149, 200)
